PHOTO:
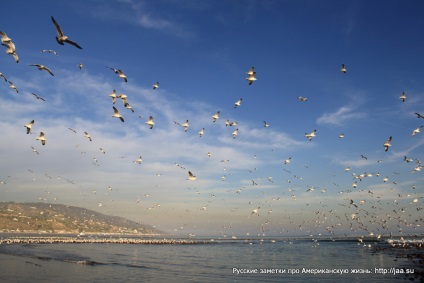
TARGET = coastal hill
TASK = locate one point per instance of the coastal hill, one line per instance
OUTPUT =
(59, 218)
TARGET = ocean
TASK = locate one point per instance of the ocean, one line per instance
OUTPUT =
(229, 260)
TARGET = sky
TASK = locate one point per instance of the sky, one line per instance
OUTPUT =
(200, 53)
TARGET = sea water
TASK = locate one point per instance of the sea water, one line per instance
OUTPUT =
(279, 260)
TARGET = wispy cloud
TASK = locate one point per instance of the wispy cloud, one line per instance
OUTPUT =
(140, 13)
(342, 115)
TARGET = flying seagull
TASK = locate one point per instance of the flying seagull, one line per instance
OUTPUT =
(150, 122)
(419, 115)
(416, 131)
(11, 50)
(61, 38)
(311, 135)
(87, 135)
(41, 138)
(127, 105)
(387, 144)
(237, 103)
(120, 73)
(49, 51)
(185, 125)
(191, 177)
(202, 132)
(37, 96)
(29, 126)
(35, 150)
(251, 78)
(156, 85)
(403, 97)
(343, 69)
(235, 133)
(13, 86)
(116, 114)
(216, 116)
(42, 67)
(113, 95)
(139, 160)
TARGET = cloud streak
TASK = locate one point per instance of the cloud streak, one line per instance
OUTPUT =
(341, 116)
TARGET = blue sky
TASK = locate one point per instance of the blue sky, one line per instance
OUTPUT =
(200, 52)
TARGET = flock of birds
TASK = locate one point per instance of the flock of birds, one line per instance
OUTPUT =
(360, 215)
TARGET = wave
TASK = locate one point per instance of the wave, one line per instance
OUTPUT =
(84, 262)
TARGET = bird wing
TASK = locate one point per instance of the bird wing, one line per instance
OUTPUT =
(48, 70)
(73, 43)
(58, 29)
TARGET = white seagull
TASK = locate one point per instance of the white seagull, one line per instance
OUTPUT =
(191, 177)
(41, 138)
(49, 51)
(139, 160)
(13, 86)
(42, 67)
(403, 97)
(256, 211)
(185, 125)
(202, 132)
(35, 150)
(61, 38)
(150, 122)
(251, 78)
(343, 69)
(387, 144)
(235, 133)
(29, 126)
(237, 103)
(156, 85)
(216, 116)
(120, 73)
(87, 135)
(11, 50)
(116, 114)
(416, 131)
(311, 135)
(113, 96)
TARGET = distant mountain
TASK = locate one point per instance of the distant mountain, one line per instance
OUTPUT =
(59, 218)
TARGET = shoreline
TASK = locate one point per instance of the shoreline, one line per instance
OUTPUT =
(410, 250)
(92, 240)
